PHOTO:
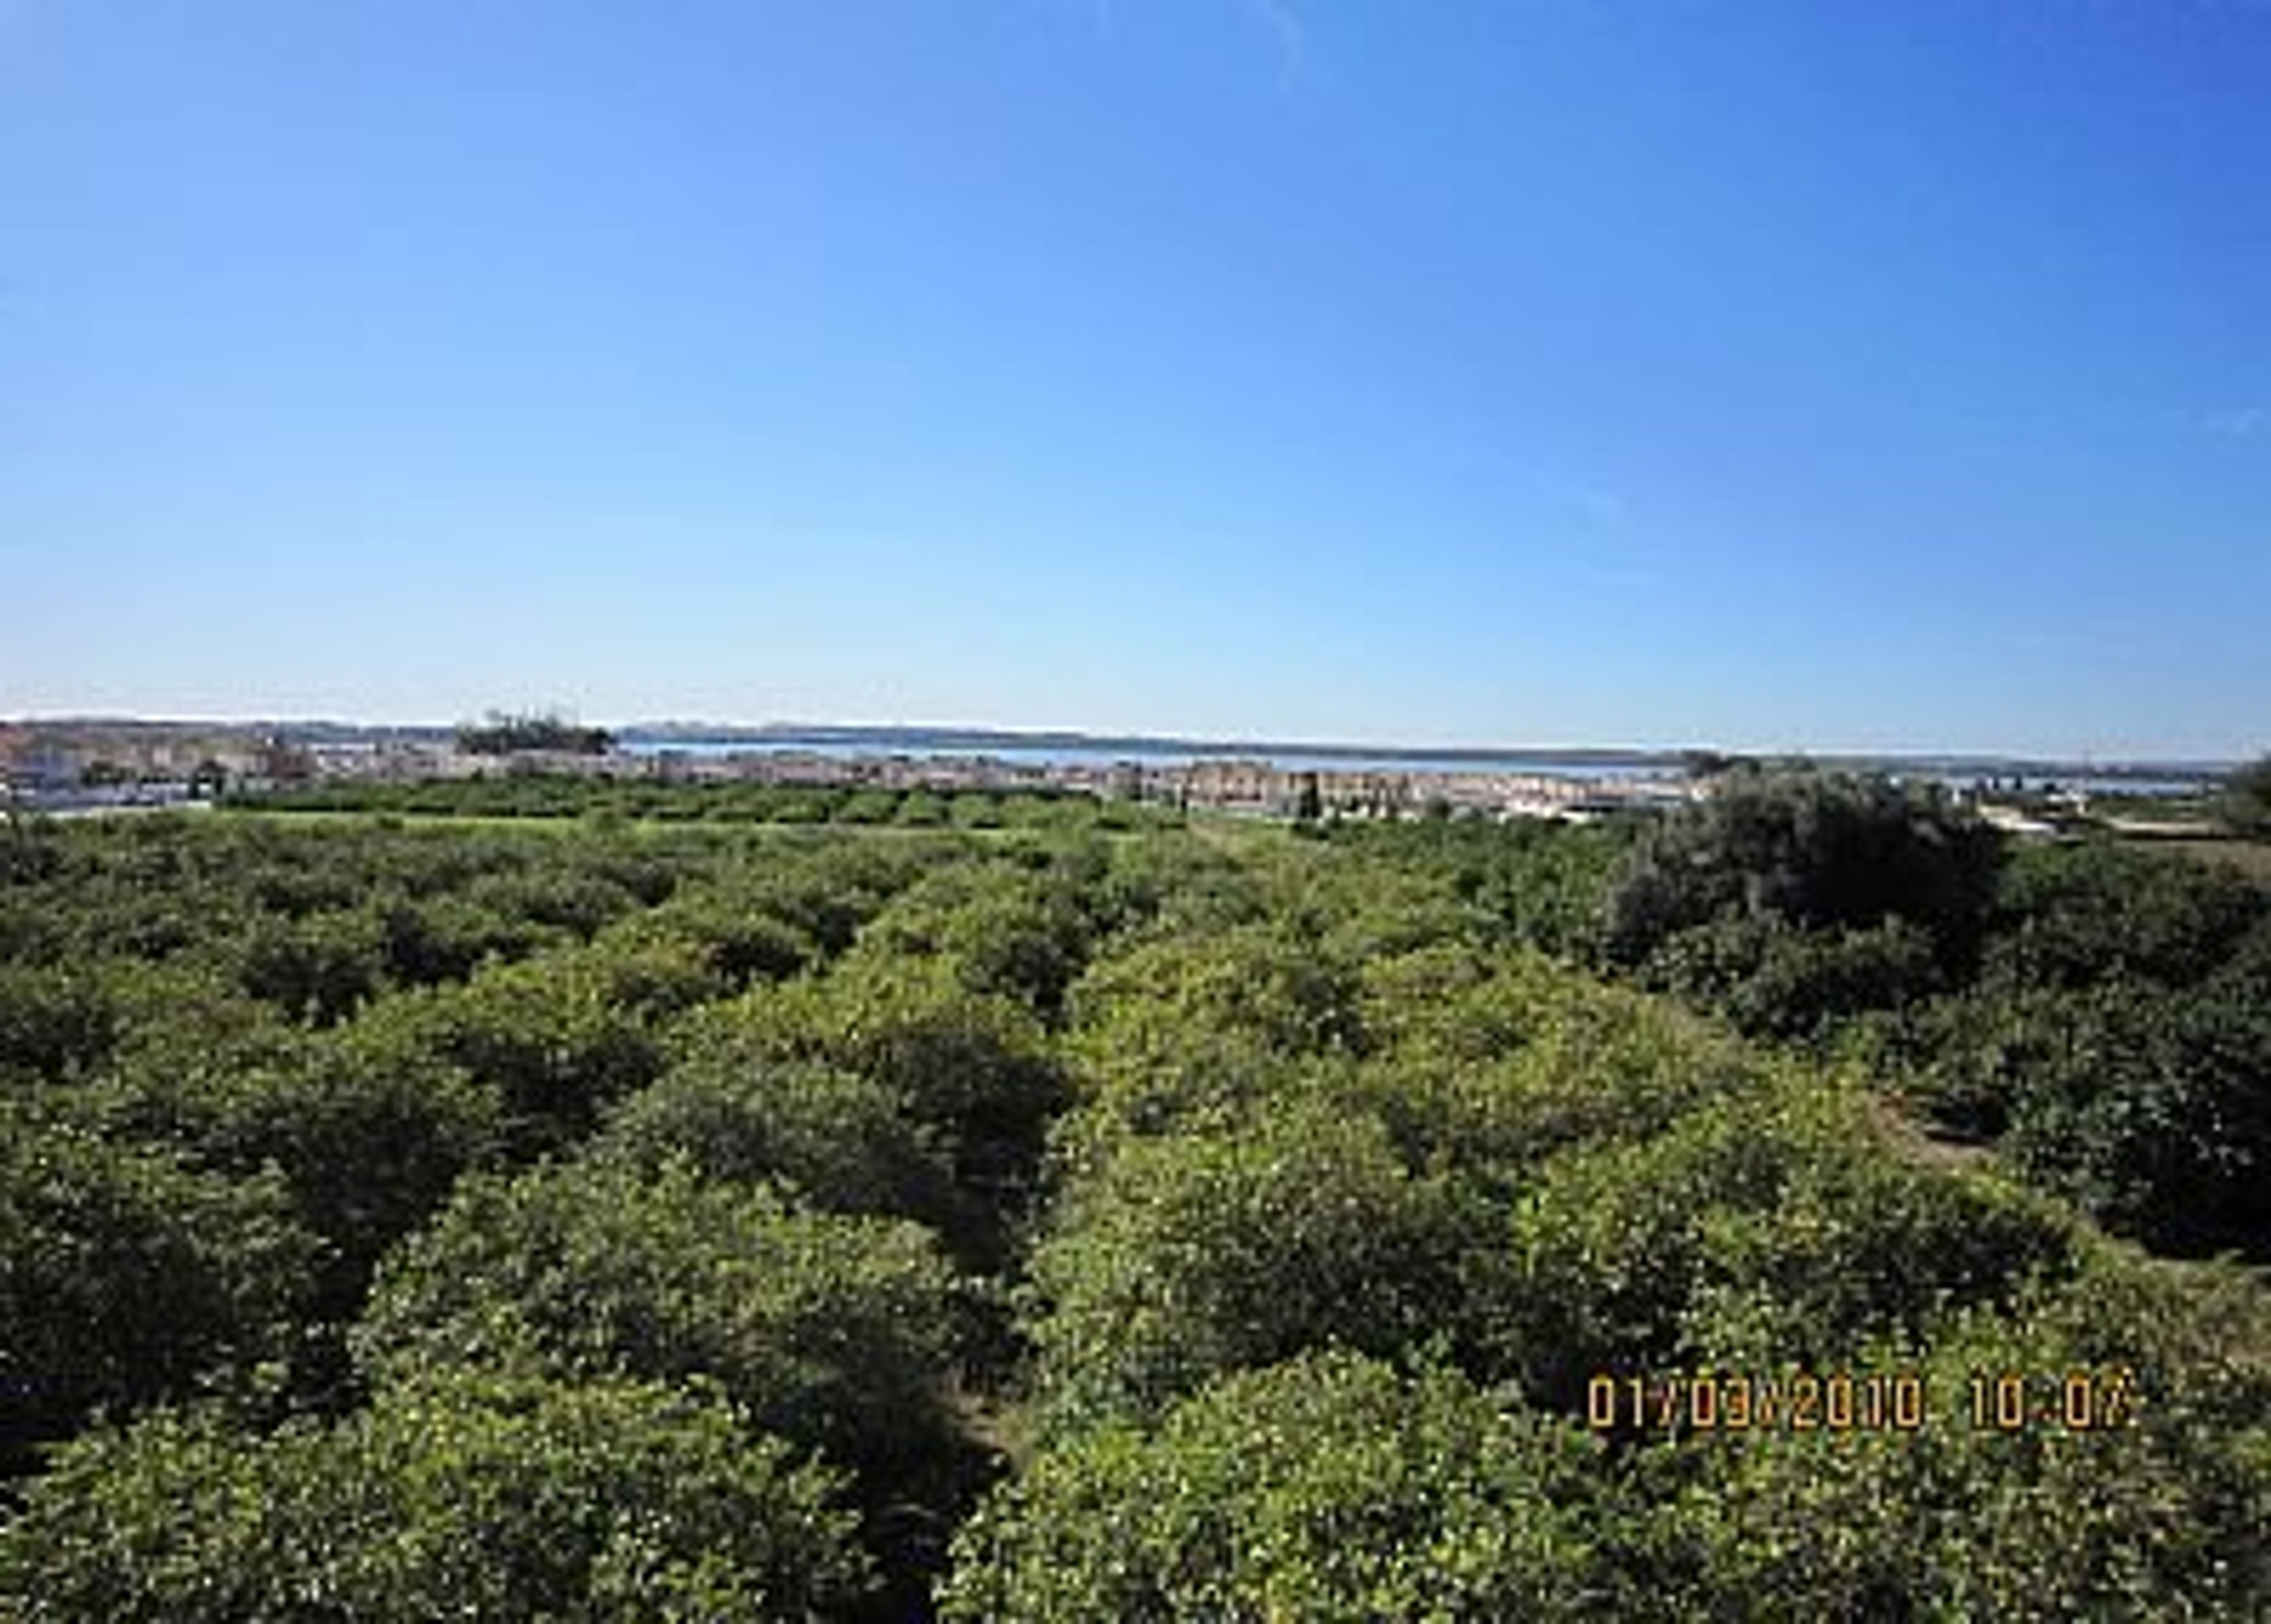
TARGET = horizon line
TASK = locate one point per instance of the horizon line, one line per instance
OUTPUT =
(697, 728)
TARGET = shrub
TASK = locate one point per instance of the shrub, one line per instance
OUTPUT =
(1774, 1225)
(1813, 849)
(1189, 1255)
(2152, 1110)
(458, 1496)
(1492, 1066)
(834, 1139)
(558, 897)
(974, 1069)
(738, 940)
(1330, 1487)
(126, 1276)
(446, 938)
(318, 969)
(1260, 985)
(833, 1331)
(1005, 933)
(56, 1023)
(1774, 980)
(2247, 799)
(2159, 1514)
(546, 1035)
(2074, 916)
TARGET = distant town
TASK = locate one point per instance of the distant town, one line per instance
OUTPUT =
(92, 763)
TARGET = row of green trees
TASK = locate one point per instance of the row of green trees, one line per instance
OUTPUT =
(605, 800)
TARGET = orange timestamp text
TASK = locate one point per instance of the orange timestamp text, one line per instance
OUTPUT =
(2080, 1400)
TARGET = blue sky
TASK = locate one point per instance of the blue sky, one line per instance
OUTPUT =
(1530, 371)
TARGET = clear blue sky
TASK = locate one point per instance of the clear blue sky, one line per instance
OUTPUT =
(1479, 371)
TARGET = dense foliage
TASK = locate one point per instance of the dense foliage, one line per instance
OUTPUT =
(1823, 851)
(2100, 1013)
(2247, 798)
(600, 1218)
(1330, 1487)
(462, 1496)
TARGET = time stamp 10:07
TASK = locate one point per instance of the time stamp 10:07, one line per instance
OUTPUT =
(2083, 1400)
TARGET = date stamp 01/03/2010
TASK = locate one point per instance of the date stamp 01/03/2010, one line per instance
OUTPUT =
(2103, 1398)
